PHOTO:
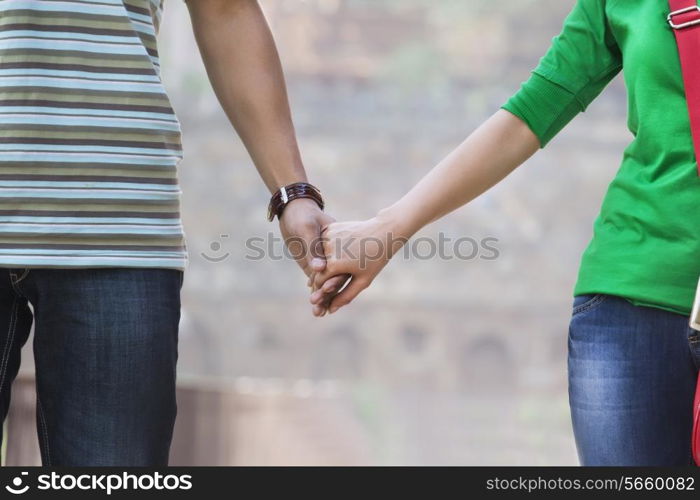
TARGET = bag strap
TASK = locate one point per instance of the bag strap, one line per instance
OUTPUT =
(684, 19)
(696, 426)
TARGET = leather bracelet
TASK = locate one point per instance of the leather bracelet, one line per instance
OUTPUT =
(285, 194)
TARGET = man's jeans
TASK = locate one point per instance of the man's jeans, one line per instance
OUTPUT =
(632, 377)
(105, 349)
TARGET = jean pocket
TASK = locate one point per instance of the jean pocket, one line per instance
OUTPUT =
(583, 303)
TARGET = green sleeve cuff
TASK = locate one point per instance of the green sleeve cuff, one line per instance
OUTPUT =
(544, 106)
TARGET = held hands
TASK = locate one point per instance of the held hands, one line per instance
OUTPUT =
(357, 251)
(301, 224)
(340, 259)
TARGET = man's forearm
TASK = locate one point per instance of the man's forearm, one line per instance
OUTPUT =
(245, 71)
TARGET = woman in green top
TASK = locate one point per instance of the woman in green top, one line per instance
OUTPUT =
(633, 360)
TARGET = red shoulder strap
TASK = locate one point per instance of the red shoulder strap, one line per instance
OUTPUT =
(684, 19)
(696, 426)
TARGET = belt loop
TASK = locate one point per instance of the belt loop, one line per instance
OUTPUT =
(13, 275)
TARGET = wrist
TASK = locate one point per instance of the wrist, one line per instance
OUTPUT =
(299, 205)
(397, 222)
(288, 194)
(276, 178)
(282, 181)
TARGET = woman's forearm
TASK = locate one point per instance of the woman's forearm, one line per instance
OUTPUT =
(362, 249)
(487, 156)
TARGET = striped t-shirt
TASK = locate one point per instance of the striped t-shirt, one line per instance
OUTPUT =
(89, 142)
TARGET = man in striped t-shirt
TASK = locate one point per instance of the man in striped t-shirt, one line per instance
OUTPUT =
(90, 231)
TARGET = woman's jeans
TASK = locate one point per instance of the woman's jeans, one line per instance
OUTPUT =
(632, 377)
(105, 349)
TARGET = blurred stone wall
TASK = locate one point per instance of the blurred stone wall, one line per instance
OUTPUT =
(441, 361)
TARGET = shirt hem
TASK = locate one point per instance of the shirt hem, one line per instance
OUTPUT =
(658, 298)
(179, 264)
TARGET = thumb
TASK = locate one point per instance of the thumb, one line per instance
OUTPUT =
(316, 256)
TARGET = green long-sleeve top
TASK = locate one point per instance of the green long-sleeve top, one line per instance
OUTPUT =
(646, 241)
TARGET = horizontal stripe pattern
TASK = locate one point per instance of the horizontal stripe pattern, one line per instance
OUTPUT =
(89, 141)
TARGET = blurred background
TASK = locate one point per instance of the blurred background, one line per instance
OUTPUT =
(441, 362)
